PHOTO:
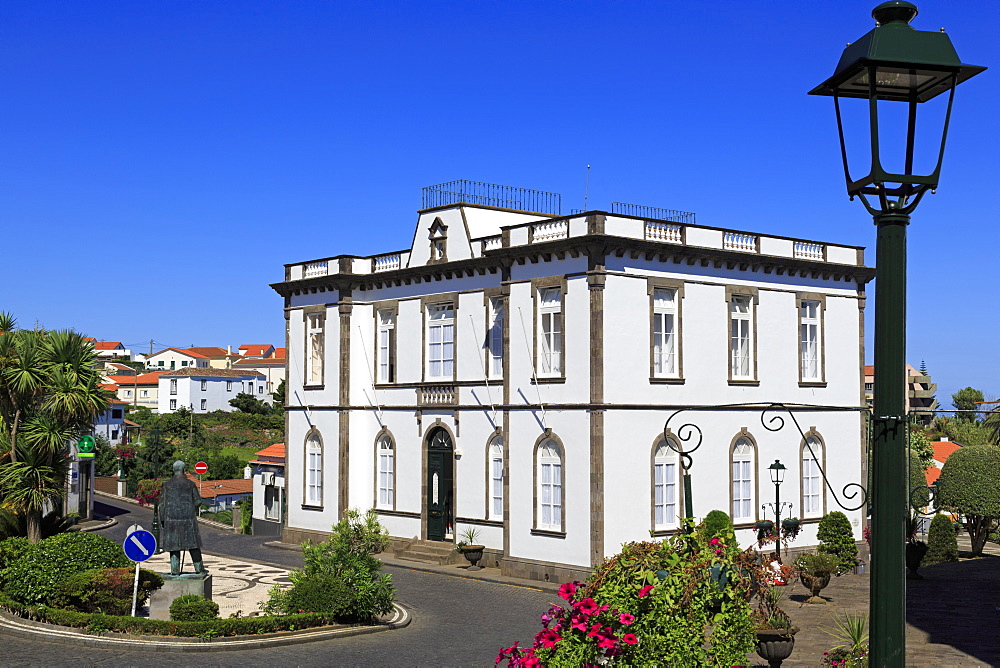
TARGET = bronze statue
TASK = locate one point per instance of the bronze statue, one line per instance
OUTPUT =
(179, 503)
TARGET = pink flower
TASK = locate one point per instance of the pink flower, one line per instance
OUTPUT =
(548, 638)
(645, 591)
(567, 590)
(626, 618)
(629, 639)
(606, 642)
(595, 631)
(579, 623)
(588, 606)
(531, 662)
(714, 541)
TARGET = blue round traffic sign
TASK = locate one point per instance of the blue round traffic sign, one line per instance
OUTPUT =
(139, 545)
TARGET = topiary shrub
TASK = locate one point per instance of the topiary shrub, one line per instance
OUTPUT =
(968, 486)
(38, 572)
(320, 593)
(193, 608)
(11, 550)
(716, 523)
(836, 538)
(942, 545)
(107, 590)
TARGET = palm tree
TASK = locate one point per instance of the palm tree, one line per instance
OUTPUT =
(49, 395)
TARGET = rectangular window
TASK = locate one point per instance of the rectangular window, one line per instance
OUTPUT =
(741, 337)
(550, 332)
(128, 393)
(551, 494)
(160, 363)
(314, 345)
(229, 386)
(204, 385)
(272, 502)
(494, 339)
(260, 389)
(810, 333)
(204, 404)
(386, 347)
(173, 404)
(173, 386)
(665, 333)
(440, 340)
(114, 434)
(144, 394)
(183, 363)
(116, 414)
(664, 494)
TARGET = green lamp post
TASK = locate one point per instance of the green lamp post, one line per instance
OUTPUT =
(893, 63)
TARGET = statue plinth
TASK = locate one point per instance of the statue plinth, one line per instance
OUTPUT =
(175, 586)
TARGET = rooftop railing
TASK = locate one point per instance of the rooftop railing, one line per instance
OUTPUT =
(491, 194)
(640, 211)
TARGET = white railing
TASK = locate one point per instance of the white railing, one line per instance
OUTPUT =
(385, 262)
(315, 269)
(809, 251)
(437, 394)
(549, 230)
(492, 243)
(664, 232)
(739, 241)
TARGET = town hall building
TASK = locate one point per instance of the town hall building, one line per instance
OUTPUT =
(536, 376)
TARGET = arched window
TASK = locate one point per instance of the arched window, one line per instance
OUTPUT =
(744, 483)
(665, 496)
(314, 470)
(812, 480)
(495, 472)
(386, 473)
(549, 493)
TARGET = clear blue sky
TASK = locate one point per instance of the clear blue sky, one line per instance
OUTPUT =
(160, 162)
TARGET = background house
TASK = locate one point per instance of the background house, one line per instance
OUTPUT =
(920, 391)
(138, 389)
(269, 498)
(176, 358)
(272, 367)
(218, 358)
(205, 389)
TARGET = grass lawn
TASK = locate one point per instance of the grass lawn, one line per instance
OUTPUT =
(245, 454)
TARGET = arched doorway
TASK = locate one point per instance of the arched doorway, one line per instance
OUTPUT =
(440, 477)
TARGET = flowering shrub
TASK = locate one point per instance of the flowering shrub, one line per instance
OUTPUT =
(680, 602)
(148, 491)
(125, 452)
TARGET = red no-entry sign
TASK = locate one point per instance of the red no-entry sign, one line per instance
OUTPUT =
(201, 467)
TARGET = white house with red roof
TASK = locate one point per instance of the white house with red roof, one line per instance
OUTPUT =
(942, 450)
(138, 389)
(204, 389)
(273, 367)
(269, 490)
(169, 359)
(218, 358)
(107, 350)
(257, 350)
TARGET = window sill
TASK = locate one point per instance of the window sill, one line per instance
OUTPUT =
(660, 533)
(660, 380)
(548, 532)
(812, 383)
(307, 506)
(392, 512)
(313, 387)
(745, 383)
(547, 380)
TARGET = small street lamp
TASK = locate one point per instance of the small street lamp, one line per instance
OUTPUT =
(777, 471)
(893, 63)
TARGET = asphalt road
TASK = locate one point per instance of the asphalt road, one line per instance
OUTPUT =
(455, 621)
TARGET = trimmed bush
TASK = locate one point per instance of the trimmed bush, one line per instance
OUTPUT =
(193, 608)
(107, 590)
(968, 486)
(836, 538)
(42, 567)
(320, 593)
(942, 545)
(11, 550)
(716, 523)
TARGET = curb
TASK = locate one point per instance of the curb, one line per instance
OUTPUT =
(108, 522)
(23, 628)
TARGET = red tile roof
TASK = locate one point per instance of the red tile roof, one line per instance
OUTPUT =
(108, 345)
(209, 372)
(123, 367)
(933, 473)
(208, 351)
(943, 450)
(151, 378)
(272, 454)
(110, 387)
(256, 348)
(279, 353)
(213, 488)
(869, 369)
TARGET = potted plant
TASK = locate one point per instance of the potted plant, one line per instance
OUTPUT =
(815, 569)
(790, 527)
(915, 550)
(764, 528)
(470, 548)
(851, 632)
(775, 633)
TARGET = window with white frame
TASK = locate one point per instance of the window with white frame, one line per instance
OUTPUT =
(496, 478)
(128, 393)
(204, 386)
(204, 404)
(314, 471)
(229, 386)
(743, 481)
(314, 349)
(260, 389)
(550, 332)
(386, 346)
(550, 486)
(440, 340)
(665, 332)
(386, 473)
(810, 343)
(173, 404)
(741, 337)
(812, 481)
(665, 468)
(494, 338)
(173, 386)
(144, 394)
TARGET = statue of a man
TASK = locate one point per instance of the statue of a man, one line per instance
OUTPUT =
(179, 503)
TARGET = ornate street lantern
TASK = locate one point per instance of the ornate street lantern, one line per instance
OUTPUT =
(777, 471)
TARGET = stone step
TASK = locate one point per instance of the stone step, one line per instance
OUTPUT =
(422, 559)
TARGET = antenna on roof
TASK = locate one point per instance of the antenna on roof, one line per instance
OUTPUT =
(586, 189)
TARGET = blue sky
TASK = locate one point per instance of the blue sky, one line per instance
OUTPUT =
(160, 162)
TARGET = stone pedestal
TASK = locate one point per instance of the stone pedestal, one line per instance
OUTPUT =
(175, 586)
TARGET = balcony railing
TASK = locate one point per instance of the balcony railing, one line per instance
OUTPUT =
(549, 230)
(436, 395)
(808, 251)
(315, 269)
(492, 243)
(740, 241)
(385, 262)
(492, 194)
(640, 211)
(664, 232)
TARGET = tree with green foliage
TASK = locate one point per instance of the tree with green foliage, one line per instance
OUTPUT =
(920, 446)
(919, 494)
(716, 523)
(36, 575)
(49, 396)
(279, 398)
(153, 458)
(942, 545)
(105, 457)
(247, 403)
(968, 486)
(967, 399)
(836, 538)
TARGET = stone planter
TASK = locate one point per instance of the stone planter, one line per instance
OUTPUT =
(776, 645)
(473, 553)
(915, 551)
(815, 584)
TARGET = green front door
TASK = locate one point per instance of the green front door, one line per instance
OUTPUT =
(440, 473)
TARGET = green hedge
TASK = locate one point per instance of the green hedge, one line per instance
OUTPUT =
(193, 608)
(107, 590)
(36, 575)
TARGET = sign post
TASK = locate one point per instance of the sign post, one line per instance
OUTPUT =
(139, 546)
(200, 468)
(85, 447)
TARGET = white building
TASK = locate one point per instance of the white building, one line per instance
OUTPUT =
(513, 371)
(176, 358)
(206, 389)
(269, 490)
(272, 367)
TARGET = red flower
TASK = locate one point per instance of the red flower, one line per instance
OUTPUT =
(595, 631)
(606, 642)
(531, 662)
(629, 639)
(588, 606)
(579, 623)
(567, 590)
(645, 591)
(548, 638)
(626, 618)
